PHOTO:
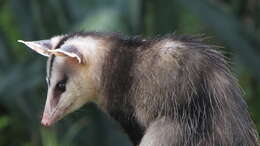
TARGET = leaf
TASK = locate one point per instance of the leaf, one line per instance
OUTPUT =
(4, 121)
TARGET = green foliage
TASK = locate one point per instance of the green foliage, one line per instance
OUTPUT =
(4, 122)
(235, 23)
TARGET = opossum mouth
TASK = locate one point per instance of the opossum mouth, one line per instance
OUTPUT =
(49, 119)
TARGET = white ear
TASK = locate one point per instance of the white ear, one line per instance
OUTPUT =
(40, 47)
(69, 51)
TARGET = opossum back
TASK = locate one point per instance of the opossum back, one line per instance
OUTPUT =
(163, 66)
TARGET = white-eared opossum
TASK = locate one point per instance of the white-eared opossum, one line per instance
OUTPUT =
(167, 91)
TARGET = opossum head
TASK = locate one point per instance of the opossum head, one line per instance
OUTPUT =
(72, 73)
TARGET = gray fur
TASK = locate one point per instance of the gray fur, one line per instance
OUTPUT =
(179, 95)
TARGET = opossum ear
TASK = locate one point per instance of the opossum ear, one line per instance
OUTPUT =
(40, 47)
(69, 51)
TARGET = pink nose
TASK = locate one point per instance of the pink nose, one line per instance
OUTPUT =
(45, 121)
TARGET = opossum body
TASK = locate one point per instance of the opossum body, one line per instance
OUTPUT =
(167, 91)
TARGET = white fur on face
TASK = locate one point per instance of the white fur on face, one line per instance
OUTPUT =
(93, 51)
(55, 40)
(88, 46)
(83, 79)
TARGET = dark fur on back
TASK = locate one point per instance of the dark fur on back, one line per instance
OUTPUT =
(172, 91)
(147, 86)
(117, 80)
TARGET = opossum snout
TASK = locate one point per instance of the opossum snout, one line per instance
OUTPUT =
(45, 121)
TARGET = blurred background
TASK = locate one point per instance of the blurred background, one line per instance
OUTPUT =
(234, 24)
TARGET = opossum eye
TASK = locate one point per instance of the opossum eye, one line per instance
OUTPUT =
(61, 85)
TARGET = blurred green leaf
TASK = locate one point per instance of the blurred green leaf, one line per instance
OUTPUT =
(107, 20)
(4, 122)
(49, 138)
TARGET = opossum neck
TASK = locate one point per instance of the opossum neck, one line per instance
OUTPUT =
(117, 75)
(117, 82)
